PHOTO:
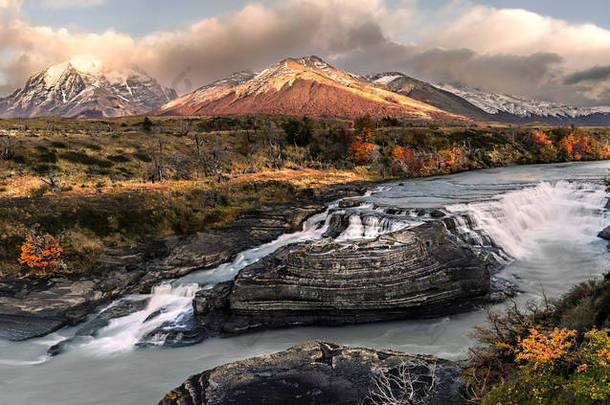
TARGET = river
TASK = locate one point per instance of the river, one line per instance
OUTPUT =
(544, 219)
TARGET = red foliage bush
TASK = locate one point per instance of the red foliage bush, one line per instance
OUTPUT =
(40, 253)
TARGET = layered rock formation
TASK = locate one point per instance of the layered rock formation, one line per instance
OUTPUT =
(415, 273)
(36, 307)
(323, 373)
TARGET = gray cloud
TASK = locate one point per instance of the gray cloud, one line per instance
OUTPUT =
(596, 74)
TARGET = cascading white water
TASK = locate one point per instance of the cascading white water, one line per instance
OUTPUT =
(521, 221)
(552, 257)
(172, 302)
(516, 221)
(368, 222)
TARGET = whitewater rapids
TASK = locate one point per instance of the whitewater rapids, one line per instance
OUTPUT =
(544, 219)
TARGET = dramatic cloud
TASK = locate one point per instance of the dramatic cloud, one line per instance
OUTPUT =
(595, 74)
(504, 50)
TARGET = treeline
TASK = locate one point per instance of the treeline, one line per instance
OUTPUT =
(93, 184)
(197, 148)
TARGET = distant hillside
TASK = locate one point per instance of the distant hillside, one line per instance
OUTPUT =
(305, 86)
(506, 108)
(429, 94)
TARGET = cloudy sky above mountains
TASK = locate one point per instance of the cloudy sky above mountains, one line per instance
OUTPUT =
(556, 50)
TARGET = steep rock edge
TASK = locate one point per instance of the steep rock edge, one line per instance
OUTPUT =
(319, 373)
(415, 273)
(36, 307)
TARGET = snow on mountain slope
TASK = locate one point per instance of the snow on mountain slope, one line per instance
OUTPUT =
(303, 86)
(493, 103)
(427, 93)
(83, 88)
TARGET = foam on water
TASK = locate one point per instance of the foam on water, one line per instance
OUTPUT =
(170, 304)
(522, 221)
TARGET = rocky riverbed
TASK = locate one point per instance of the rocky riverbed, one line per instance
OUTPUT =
(31, 307)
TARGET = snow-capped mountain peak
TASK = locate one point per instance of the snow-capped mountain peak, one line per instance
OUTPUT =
(494, 103)
(305, 86)
(84, 87)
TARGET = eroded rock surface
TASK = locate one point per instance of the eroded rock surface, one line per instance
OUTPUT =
(323, 373)
(36, 307)
(414, 273)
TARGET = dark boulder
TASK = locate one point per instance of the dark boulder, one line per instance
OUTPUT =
(605, 233)
(323, 373)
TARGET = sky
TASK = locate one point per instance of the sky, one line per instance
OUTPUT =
(550, 50)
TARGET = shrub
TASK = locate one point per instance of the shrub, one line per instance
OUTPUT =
(41, 253)
(20, 159)
(38, 192)
(143, 157)
(363, 146)
(146, 125)
(298, 131)
(85, 159)
(59, 145)
(555, 372)
(364, 123)
(119, 158)
(45, 169)
(45, 155)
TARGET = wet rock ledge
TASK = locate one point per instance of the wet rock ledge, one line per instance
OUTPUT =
(36, 307)
(416, 273)
(324, 373)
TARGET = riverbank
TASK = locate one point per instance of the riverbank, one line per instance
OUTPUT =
(33, 306)
(100, 185)
(551, 215)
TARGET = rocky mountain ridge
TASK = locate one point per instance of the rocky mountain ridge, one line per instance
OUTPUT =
(84, 88)
(507, 108)
(303, 86)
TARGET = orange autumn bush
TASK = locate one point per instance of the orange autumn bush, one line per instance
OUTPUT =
(557, 370)
(577, 145)
(409, 161)
(451, 159)
(363, 146)
(41, 253)
(540, 139)
(544, 349)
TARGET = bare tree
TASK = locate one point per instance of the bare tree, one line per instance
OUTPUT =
(53, 180)
(156, 156)
(185, 127)
(7, 148)
(199, 140)
(275, 151)
(404, 385)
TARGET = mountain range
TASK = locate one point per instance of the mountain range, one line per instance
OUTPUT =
(84, 88)
(307, 86)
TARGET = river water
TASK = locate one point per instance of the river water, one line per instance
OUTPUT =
(545, 219)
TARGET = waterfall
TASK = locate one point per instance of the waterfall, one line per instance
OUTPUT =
(170, 303)
(519, 221)
(510, 226)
